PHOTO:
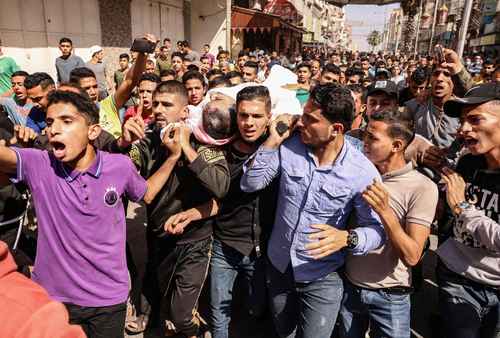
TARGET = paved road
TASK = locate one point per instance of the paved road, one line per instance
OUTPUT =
(423, 301)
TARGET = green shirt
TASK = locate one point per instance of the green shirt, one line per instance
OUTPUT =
(7, 67)
(109, 118)
(162, 64)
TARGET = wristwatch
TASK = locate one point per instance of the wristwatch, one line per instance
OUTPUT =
(461, 207)
(352, 239)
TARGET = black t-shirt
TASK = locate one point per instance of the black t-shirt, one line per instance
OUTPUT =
(483, 190)
(189, 185)
(245, 219)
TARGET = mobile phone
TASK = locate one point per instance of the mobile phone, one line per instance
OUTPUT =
(439, 54)
(281, 128)
(143, 46)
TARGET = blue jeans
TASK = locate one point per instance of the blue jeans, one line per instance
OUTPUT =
(468, 309)
(225, 266)
(303, 310)
(387, 314)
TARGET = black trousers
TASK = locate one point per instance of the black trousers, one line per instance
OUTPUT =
(99, 322)
(181, 276)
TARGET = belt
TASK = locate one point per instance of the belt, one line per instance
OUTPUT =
(398, 290)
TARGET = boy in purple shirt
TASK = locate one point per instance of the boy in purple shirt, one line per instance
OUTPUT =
(77, 192)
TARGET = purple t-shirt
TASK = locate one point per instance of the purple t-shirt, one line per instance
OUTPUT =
(80, 256)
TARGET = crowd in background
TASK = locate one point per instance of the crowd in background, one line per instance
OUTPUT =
(315, 178)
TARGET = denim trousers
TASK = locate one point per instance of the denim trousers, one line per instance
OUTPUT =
(468, 309)
(387, 314)
(303, 309)
(226, 265)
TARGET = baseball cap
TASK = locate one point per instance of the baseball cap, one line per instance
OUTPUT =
(95, 49)
(477, 95)
(387, 87)
(189, 57)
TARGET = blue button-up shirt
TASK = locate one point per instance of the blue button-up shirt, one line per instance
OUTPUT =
(314, 195)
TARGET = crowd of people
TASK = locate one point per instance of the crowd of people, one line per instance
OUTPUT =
(316, 179)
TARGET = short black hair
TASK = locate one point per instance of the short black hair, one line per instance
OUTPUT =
(173, 87)
(82, 104)
(124, 56)
(65, 39)
(304, 64)
(419, 76)
(203, 57)
(80, 73)
(233, 74)
(331, 68)
(336, 104)
(252, 64)
(149, 77)
(74, 86)
(358, 89)
(167, 39)
(38, 79)
(353, 71)
(19, 73)
(206, 45)
(259, 93)
(214, 71)
(178, 54)
(167, 72)
(193, 75)
(193, 67)
(399, 122)
(218, 81)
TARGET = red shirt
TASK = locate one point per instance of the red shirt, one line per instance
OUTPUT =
(132, 111)
(26, 309)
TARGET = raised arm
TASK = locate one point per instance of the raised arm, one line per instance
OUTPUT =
(132, 77)
(160, 177)
(264, 166)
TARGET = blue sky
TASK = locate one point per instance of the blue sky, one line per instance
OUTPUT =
(366, 18)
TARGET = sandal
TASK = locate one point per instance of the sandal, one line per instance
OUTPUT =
(137, 325)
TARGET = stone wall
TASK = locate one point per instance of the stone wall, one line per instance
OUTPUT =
(116, 23)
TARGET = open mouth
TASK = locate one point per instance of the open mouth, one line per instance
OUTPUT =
(59, 149)
(470, 142)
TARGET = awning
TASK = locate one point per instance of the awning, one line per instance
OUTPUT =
(284, 9)
(361, 2)
(248, 19)
(252, 20)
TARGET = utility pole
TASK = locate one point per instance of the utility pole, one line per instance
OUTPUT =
(417, 35)
(462, 35)
(434, 19)
(228, 26)
(398, 33)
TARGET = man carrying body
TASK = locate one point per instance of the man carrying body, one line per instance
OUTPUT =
(321, 181)
(186, 174)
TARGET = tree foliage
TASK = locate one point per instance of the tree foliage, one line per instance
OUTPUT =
(374, 39)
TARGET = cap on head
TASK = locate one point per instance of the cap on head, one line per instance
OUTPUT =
(477, 95)
(95, 49)
(387, 87)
